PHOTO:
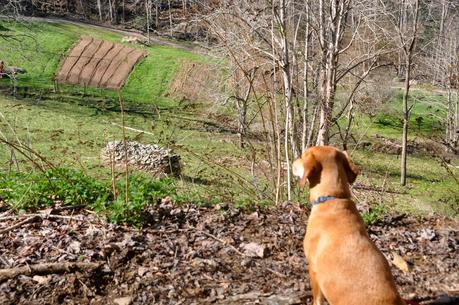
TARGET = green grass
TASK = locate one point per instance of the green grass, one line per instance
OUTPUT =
(425, 117)
(71, 136)
(430, 188)
(35, 190)
(39, 47)
(64, 187)
(149, 81)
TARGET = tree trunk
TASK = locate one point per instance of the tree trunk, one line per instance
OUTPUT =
(147, 13)
(327, 102)
(408, 49)
(156, 14)
(99, 9)
(170, 17)
(406, 115)
(305, 120)
(115, 11)
(110, 10)
(285, 67)
(123, 13)
(350, 117)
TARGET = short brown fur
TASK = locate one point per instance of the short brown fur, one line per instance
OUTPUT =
(345, 266)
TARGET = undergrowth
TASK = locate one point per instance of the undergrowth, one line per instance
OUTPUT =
(375, 214)
(142, 191)
(24, 191)
(63, 187)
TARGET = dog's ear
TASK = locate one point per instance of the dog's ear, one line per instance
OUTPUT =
(351, 169)
(304, 167)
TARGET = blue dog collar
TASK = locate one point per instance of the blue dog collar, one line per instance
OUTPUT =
(322, 199)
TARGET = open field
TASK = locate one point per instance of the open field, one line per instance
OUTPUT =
(69, 127)
(72, 136)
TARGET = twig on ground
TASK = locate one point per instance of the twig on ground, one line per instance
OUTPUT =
(21, 223)
(69, 207)
(46, 268)
(276, 273)
(222, 241)
(4, 261)
(43, 216)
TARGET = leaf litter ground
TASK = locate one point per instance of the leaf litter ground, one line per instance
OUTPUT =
(207, 255)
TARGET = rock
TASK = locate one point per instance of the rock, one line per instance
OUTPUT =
(254, 250)
(134, 40)
(42, 280)
(427, 234)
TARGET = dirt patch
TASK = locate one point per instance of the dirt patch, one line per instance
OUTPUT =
(198, 255)
(196, 82)
(99, 63)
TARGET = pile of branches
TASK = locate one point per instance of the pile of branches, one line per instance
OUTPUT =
(150, 158)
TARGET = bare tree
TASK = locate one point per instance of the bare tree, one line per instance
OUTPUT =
(407, 32)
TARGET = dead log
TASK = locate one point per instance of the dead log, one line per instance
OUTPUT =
(46, 268)
(21, 223)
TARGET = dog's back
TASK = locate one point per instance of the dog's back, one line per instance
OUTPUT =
(345, 266)
(350, 270)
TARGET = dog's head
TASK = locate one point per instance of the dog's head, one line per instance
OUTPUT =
(315, 160)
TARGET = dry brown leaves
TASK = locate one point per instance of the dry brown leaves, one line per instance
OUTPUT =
(197, 255)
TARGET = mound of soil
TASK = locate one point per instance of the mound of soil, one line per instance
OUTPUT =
(199, 255)
(98, 63)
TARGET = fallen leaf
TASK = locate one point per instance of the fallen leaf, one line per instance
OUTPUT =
(42, 280)
(123, 301)
(142, 270)
(254, 250)
(400, 263)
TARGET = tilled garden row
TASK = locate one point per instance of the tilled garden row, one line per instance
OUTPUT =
(98, 63)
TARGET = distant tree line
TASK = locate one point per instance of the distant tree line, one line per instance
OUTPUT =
(143, 15)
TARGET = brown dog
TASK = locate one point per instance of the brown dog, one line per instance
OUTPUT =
(345, 267)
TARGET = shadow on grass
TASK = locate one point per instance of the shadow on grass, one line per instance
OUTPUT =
(396, 174)
(196, 180)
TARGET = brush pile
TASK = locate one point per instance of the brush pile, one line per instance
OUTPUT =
(149, 158)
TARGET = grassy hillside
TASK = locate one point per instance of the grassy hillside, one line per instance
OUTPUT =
(39, 47)
(215, 169)
(71, 134)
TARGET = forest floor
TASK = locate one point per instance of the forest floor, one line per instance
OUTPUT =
(204, 255)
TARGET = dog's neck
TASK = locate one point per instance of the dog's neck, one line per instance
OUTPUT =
(329, 188)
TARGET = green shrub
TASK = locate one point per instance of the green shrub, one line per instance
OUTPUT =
(142, 191)
(375, 214)
(41, 189)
